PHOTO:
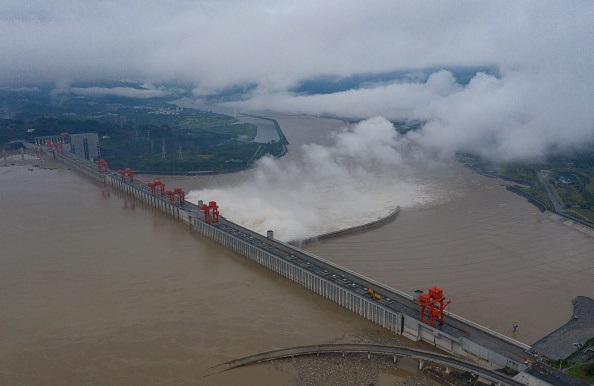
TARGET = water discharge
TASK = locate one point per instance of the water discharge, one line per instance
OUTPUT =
(361, 176)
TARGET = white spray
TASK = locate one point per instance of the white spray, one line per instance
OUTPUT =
(361, 178)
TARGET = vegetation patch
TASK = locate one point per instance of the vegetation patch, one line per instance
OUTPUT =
(145, 135)
(584, 372)
(569, 178)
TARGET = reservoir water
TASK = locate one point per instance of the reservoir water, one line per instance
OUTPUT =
(495, 255)
(266, 129)
(97, 288)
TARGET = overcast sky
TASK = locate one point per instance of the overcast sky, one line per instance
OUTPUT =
(544, 51)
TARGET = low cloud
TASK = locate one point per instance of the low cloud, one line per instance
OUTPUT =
(507, 118)
(127, 92)
(541, 100)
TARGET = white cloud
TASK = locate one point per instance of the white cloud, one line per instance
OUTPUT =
(127, 92)
(274, 42)
(515, 116)
(543, 51)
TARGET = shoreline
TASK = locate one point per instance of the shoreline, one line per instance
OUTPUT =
(562, 217)
(282, 140)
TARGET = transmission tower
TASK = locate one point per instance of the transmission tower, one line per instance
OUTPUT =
(163, 149)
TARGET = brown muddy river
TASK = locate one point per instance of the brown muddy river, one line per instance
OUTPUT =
(495, 255)
(96, 288)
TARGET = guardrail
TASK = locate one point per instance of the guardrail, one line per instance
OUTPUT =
(488, 330)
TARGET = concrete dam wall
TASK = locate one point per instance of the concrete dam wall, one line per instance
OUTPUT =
(393, 310)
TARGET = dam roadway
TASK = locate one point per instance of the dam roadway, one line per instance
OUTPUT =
(394, 310)
(390, 298)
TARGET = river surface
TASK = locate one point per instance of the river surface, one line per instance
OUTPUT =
(98, 288)
(495, 255)
(266, 130)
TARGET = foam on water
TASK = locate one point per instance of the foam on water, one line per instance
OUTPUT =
(361, 177)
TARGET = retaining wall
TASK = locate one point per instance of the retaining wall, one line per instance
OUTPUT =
(355, 302)
(355, 229)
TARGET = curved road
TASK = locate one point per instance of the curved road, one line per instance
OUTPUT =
(373, 349)
(543, 180)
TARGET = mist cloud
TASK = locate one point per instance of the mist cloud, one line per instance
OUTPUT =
(513, 117)
(127, 92)
(362, 176)
(275, 43)
(541, 99)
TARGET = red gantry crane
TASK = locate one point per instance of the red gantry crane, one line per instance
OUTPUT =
(211, 212)
(153, 185)
(181, 194)
(206, 211)
(176, 192)
(215, 211)
(122, 174)
(102, 166)
(130, 174)
(171, 196)
(126, 173)
(432, 306)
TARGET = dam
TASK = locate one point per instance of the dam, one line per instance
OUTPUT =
(394, 310)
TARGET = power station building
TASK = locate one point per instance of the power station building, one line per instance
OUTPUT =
(83, 145)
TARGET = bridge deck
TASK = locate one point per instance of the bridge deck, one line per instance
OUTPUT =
(373, 349)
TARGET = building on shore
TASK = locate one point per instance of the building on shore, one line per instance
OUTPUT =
(84, 145)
